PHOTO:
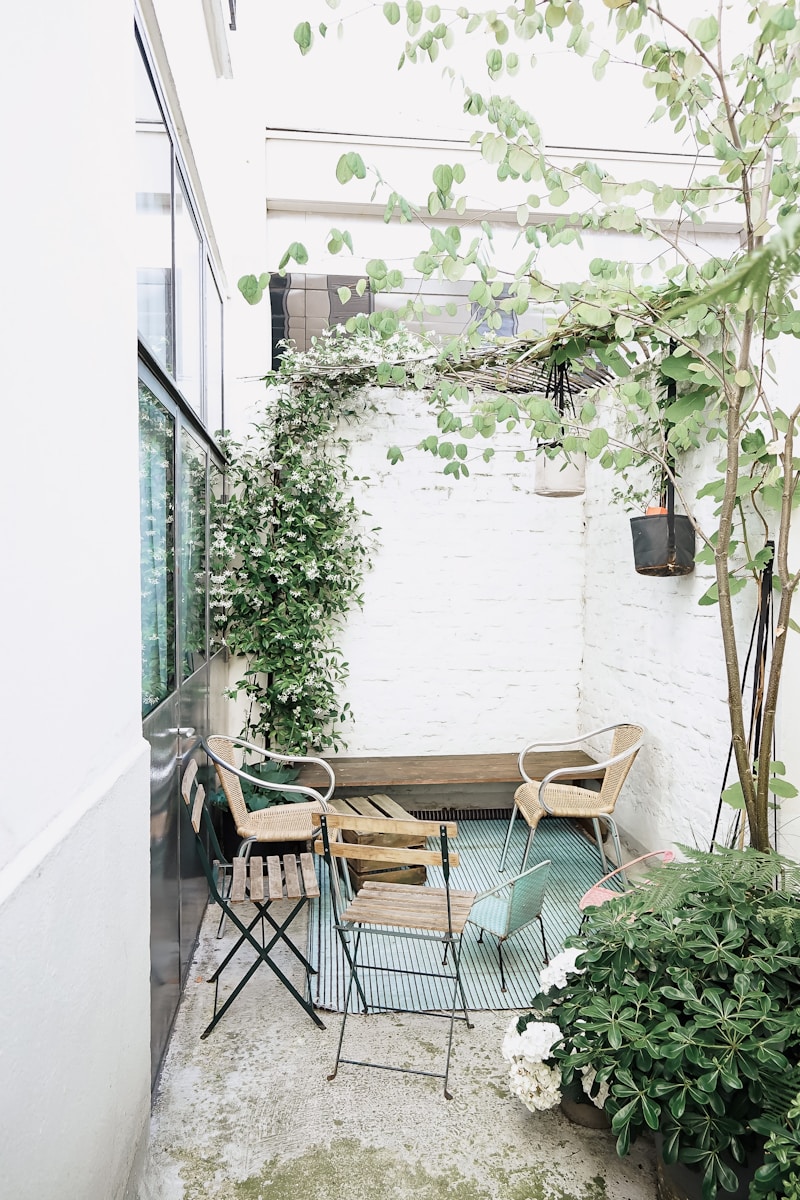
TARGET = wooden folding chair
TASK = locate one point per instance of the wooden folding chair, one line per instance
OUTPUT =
(262, 883)
(399, 911)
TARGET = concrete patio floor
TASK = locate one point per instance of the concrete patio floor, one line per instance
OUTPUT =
(248, 1113)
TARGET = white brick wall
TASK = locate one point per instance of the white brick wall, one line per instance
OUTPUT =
(494, 616)
(652, 656)
(470, 636)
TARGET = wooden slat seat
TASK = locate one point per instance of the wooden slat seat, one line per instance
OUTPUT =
(281, 878)
(401, 905)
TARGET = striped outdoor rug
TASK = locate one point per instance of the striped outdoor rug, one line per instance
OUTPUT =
(576, 865)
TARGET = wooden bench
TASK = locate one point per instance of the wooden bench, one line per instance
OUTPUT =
(443, 770)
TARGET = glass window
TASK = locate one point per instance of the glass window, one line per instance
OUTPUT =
(153, 223)
(157, 496)
(213, 354)
(179, 303)
(192, 556)
(188, 313)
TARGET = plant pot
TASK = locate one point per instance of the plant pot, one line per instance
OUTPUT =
(678, 1181)
(652, 552)
(584, 1113)
(559, 476)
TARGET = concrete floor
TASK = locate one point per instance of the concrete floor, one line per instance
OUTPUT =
(248, 1113)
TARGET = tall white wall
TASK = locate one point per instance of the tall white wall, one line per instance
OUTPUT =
(652, 656)
(469, 640)
(74, 1037)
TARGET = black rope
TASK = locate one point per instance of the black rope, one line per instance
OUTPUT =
(762, 637)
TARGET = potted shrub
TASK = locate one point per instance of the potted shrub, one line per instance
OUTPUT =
(682, 1006)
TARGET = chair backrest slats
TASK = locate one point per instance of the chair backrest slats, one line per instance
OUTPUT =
(625, 736)
(386, 854)
(386, 825)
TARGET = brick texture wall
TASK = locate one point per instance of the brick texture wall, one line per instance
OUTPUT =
(494, 616)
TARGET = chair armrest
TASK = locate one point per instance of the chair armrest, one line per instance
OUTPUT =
(665, 856)
(574, 772)
(584, 772)
(296, 788)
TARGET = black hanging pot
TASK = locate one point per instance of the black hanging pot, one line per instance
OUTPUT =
(663, 541)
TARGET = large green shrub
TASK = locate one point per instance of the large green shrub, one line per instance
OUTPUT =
(686, 1006)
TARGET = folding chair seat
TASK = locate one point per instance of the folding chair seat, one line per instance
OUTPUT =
(290, 878)
(396, 911)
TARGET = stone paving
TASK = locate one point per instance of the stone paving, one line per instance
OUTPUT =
(249, 1115)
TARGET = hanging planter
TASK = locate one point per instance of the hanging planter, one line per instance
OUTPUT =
(663, 540)
(555, 475)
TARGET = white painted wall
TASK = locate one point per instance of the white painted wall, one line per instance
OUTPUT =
(469, 640)
(74, 1038)
(74, 811)
(494, 616)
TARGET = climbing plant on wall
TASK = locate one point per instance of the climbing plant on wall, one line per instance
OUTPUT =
(292, 543)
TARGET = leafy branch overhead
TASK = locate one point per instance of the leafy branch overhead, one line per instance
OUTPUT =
(677, 336)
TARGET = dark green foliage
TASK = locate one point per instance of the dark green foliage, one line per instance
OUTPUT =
(687, 1006)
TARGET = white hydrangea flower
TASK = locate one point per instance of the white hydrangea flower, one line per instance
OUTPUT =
(535, 1084)
(555, 974)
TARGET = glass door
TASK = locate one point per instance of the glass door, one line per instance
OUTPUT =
(179, 675)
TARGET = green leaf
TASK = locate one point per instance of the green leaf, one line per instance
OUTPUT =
(304, 37)
(253, 289)
(733, 795)
(782, 787)
(392, 13)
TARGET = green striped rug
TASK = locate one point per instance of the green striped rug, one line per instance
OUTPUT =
(576, 865)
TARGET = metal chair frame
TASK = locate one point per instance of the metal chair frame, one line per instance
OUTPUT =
(220, 868)
(572, 773)
(371, 914)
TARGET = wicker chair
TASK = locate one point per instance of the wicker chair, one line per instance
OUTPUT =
(281, 823)
(550, 798)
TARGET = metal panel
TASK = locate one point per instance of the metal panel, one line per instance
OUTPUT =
(193, 885)
(165, 972)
